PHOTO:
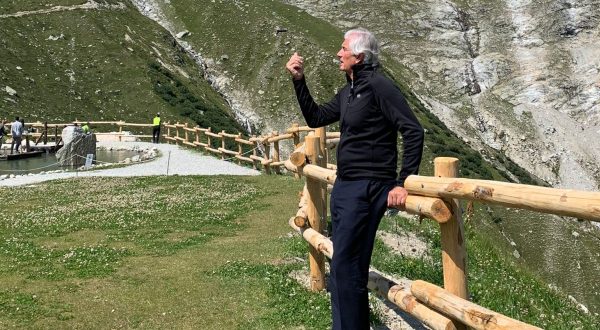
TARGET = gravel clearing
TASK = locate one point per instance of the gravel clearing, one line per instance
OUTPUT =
(182, 162)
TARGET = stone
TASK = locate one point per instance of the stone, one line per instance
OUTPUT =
(182, 34)
(10, 91)
(77, 145)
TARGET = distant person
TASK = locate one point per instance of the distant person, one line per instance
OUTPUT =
(16, 131)
(156, 129)
(86, 128)
(2, 132)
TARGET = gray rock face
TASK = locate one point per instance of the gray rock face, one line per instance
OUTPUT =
(77, 145)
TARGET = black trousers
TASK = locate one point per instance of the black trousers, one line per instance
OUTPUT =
(356, 210)
(155, 134)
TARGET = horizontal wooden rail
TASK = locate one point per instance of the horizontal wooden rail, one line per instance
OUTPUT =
(574, 203)
(435, 208)
(229, 135)
(299, 129)
(318, 241)
(463, 310)
(280, 137)
(246, 142)
(212, 134)
(227, 151)
(400, 295)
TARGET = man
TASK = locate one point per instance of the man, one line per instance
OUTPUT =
(156, 128)
(16, 131)
(371, 111)
(2, 133)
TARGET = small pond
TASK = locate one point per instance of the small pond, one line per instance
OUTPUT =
(48, 162)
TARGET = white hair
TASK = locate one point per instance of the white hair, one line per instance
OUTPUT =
(363, 42)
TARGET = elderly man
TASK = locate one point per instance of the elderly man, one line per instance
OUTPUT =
(371, 111)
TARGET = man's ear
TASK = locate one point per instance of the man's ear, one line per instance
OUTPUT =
(360, 58)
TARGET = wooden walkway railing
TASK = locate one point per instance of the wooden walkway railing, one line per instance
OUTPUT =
(435, 198)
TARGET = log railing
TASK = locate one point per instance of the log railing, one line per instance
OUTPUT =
(435, 198)
(261, 152)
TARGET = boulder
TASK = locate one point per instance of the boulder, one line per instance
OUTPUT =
(77, 145)
(10, 91)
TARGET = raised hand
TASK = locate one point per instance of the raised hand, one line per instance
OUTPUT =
(296, 66)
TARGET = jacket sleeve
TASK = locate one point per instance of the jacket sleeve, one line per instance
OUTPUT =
(314, 114)
(396, 110)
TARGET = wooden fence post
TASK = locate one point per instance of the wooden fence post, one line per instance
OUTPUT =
(186, 132)
(168, 133)
(208, 138)
(276, 153)
(296, 137)
(240, 149)
(177, 133)
(45, 133)
(254, 153)
(316, 216)
(267, 148)
(222, 143)
(322, 161)
(454, 255)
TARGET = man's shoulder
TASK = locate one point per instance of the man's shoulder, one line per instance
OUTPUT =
(383, 85)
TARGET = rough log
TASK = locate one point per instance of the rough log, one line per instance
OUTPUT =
(316, 240)
(574, 203)
(213, 150)
(399, 295)
(247, 159)
(471, 314)
(229, 135)
(316, 216)
(298, 156)
(290, 167)
(435, 209)
(454, 247)
(229, 152)
(280, 137)
(246, 142)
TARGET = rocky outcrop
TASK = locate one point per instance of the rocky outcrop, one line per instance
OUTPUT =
(77, 145)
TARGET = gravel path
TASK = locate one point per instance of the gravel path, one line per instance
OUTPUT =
(182, 162)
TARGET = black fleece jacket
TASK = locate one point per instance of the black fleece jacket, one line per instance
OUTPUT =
(371, 111)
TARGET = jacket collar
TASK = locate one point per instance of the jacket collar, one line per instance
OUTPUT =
(360, 71)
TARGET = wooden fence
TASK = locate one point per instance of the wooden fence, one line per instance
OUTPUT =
(435, 198)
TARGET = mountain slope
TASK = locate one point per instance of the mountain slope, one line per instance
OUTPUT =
(98, 61)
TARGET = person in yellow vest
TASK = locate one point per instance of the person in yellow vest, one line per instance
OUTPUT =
(156, 129)
(86, 128)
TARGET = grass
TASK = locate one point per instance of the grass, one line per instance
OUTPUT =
(204, 252)
(150, 252)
